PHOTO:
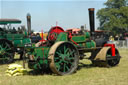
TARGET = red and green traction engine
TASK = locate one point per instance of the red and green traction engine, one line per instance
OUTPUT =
(62, 50)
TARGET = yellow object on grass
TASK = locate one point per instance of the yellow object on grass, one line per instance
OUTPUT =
(15, 70)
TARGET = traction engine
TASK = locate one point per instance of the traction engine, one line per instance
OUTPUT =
(12, 40)
(62, 50)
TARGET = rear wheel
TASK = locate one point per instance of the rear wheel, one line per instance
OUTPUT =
(6, 51)
(65, 58)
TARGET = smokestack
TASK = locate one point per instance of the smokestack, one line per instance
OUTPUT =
(29, 24)
(92, 21)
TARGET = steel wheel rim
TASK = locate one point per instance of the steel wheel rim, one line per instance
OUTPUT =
(65, 59)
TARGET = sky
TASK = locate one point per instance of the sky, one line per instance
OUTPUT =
(45, 13)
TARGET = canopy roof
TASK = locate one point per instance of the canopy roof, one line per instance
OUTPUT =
(9, 21)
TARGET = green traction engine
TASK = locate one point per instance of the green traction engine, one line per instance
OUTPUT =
(12, 39)
(62, 50)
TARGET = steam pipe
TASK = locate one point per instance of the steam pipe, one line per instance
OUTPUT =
(29, 24)
(92, 21)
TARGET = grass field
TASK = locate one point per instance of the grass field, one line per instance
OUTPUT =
(86, 75)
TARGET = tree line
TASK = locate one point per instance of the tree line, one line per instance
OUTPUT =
(114, 17)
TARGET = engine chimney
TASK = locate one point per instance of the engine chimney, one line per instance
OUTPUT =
(92, 21)
(29, 24)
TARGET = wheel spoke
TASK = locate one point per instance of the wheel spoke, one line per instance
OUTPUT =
(66, 50)
(64, 67)
(58, 66)
(67, 68)
(70, 54)
(58, 53)
(59, 62)
(69, 57)
(56, 58)
(65, 61)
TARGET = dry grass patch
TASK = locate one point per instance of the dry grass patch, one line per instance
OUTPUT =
(87, 75)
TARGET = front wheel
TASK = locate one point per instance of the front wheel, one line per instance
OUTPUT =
(110, 61)
(113, 60)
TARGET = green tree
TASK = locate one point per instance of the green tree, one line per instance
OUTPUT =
(114, 17)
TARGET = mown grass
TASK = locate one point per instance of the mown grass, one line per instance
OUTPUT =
(86, 75)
